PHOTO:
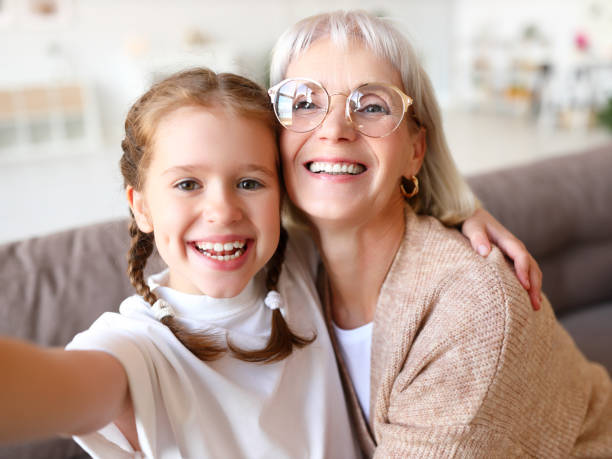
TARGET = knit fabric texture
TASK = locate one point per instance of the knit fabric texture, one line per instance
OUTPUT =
(463, 367)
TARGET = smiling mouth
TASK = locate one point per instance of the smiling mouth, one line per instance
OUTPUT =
(222, 251)
(335, 168)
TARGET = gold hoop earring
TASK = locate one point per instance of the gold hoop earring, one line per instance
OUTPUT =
(415, 187)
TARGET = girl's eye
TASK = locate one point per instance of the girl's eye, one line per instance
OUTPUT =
(249, 184)
(187, 185)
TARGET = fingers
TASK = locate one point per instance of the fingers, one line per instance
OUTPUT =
(535, 292)
(522, 266)
(527, 270)
(475, 229)
(480, 242)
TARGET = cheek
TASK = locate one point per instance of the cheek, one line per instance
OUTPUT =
(263, 211)
(290, 144)
(398, 151)
(171, 218)
(273, 212)
(270, 221)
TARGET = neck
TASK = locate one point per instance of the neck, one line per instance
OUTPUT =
(357, 258)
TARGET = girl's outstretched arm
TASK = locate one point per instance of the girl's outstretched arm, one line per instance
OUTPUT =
(50, 391)
(482, 229)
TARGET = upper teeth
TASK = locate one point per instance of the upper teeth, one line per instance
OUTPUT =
(219, 246)
(336, 168)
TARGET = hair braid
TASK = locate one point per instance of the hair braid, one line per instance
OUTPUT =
(204, 345)
(282, 340)
(140, 251)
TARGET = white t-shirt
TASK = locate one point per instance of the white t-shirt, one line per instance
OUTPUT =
(226, 408)
(356, 349)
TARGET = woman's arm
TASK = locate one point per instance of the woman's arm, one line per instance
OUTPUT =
(47, 392)
(482, 229)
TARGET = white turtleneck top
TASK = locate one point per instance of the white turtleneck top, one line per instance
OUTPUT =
(227, 408)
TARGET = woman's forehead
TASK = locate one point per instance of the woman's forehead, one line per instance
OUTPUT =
(340, 67)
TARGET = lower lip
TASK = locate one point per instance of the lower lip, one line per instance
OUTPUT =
(223, 265)
(337, 178)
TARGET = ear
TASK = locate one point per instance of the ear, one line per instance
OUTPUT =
(139, 209)
(419, 147)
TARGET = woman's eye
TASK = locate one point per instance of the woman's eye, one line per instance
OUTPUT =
(187, 185)
(374, 108)
(304, 105)
(249, 184)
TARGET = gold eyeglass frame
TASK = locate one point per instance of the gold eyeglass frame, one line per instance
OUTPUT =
(407, 101)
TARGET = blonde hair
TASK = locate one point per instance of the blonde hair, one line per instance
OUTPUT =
(199, 87)
(444, 193)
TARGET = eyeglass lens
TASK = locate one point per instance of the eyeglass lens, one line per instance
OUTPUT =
(375, 110)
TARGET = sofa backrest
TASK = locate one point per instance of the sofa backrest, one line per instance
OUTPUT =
(561, 208)
(57, 285)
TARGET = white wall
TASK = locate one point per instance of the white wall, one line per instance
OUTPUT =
(499, 25)
(115, 46)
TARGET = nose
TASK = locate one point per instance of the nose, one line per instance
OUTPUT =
(336, 126)
(222, 205)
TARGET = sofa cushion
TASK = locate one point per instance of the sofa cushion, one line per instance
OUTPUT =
(48, 277)
(591, 329)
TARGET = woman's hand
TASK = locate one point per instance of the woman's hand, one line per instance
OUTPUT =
(482, 229)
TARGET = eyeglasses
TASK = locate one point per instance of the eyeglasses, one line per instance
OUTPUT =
(374, 109)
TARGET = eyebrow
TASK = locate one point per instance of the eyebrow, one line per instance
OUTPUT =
(190, 169)
(259, 168)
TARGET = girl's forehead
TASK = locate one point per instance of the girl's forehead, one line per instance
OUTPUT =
(199, 136)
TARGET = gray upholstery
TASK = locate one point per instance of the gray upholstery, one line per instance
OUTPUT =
(591, 328)
(55, 286)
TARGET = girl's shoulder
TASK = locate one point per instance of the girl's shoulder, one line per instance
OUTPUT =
(134, 323)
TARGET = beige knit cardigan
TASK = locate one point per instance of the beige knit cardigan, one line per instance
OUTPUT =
(462, 366)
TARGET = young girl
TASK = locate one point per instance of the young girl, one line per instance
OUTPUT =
(220, 355)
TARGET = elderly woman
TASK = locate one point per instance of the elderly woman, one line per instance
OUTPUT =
(440, 353)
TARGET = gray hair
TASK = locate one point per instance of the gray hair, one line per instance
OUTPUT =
(444, 193)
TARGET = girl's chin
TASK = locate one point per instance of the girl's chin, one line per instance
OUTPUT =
(218, 290)
(214, 284)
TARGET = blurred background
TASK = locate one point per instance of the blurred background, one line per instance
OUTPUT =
(517, 80)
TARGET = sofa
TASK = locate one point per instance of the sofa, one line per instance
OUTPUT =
(561, 207)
